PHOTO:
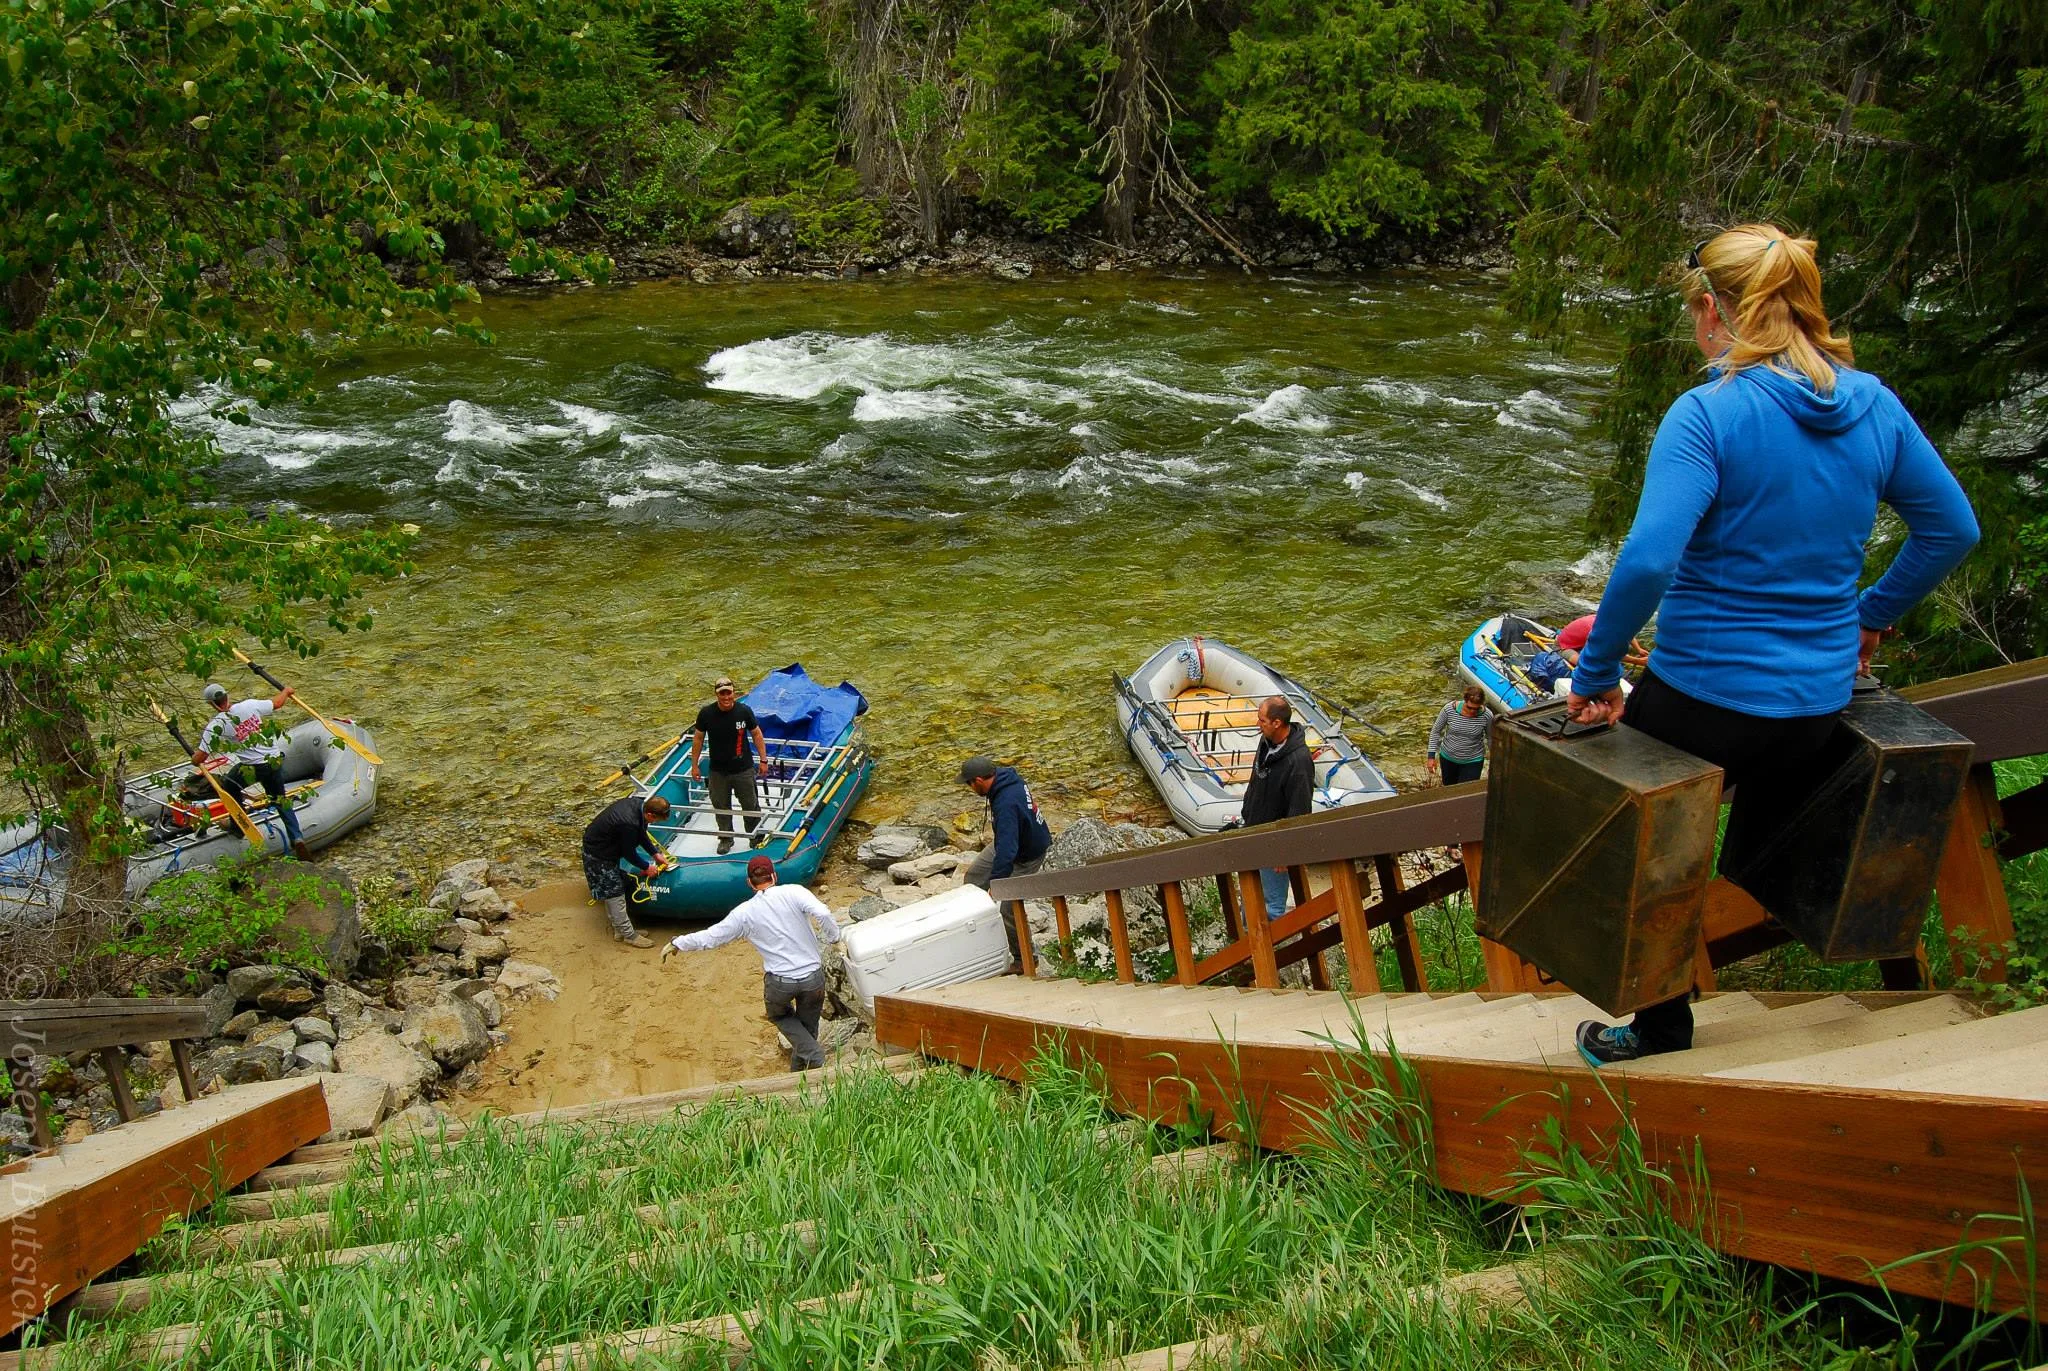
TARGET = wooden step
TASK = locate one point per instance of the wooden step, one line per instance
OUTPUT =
(1803, 1031)
(2013, 1073)
(1957, 1049)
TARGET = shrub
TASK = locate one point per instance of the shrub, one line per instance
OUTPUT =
(221, 916)
(400, 922)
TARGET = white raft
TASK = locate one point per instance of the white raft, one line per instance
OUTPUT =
(1190, 715)
(333, 792)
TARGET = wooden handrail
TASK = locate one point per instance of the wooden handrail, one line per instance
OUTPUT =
(2003, 711)
(61, 1027)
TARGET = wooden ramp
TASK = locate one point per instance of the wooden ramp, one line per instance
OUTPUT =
(1870, 1136)
(69, 1215)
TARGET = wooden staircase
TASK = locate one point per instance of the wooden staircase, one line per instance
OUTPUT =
(1879, 1137)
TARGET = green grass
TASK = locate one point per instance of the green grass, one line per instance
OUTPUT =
(1056, 1246)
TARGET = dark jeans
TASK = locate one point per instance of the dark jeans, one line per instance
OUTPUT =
(794, 1007)
(1455, 771)
(1766, 760)
(725, 787)
(270, 775)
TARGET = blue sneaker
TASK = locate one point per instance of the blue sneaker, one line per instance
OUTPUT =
(1601, 1044)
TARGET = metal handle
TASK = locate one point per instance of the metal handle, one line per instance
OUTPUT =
(1562, 725)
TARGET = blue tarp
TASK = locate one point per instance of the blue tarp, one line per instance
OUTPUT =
(789, 704)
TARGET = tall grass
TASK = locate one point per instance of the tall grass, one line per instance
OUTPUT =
(1056, 1244)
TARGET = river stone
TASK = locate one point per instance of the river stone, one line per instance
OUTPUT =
(314, 1056)
(866, 907)
(404, 1070)
(347, 1009)
(420, 1119)
(484, 947)
(1085, 839)
(920, 868)
(415, 992)
(486, 1002)
(241, 1025)
(453, 1030)
(355, 1105)
(448, 938)
(518, 979)
(314, 1030)
(282, 1040)
(458, 880)
(248, 982)
(485, 903)
(240, 1066)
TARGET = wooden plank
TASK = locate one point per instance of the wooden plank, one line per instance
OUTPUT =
(1258, 930)
(109, 1059)
(1027, 960)
(1119, 935)
(2026, 821)
(1407, 943)
(1969, 882)
(1833, 1180)
(1352, 927)
(1226, 900)
(56, 1027)
(1177, 932)
(69, 1217)
(1735, 926)
(1064, 921)
(1506, 970)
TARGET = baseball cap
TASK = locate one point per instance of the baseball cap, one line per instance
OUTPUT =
(722, 683)
(757, 867)
(976, 769)
(214, 691)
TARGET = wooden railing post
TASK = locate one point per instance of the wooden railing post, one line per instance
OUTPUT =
(1407, 943)
(1265, 971)
(1027, 964)
(1226, 900)
(1177, 932)
(1358, 954)
(1969, 882)
(1059, 913)
(1119, 935)
(1505, 970)
(1318, 972)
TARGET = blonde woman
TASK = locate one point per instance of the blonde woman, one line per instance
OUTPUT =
(1762, 487)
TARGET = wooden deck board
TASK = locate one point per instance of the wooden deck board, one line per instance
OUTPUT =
(67, 1217)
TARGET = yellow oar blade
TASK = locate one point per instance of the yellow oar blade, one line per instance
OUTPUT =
(236, 812)
(347, 739)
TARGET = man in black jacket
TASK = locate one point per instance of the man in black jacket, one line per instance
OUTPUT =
(1282, 786)
(618, 835)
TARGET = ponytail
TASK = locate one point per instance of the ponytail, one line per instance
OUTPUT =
(1768, 289)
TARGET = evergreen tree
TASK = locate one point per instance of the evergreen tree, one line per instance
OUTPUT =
(1025, 132)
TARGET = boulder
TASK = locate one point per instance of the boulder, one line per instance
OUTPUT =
(329, 919)
(486, 1002)
(241, 1025)
(468, 925)
(415, 992)
(921, 868)
(742, 231)
(382, 1055)
(219, 1003)
(452, 1030)
(466, 989)
(282, 1040)
(1088, 838)
(312, 1030)
(448, 938)
(355, 1105)
(484, 947)
(348, 1009)
(845, 1035)
(458, 880)
(241, 1065)
(902, 841)
(248, 982)
(517, 979)
(286, 1001)
(486, 904)
(314, 1056)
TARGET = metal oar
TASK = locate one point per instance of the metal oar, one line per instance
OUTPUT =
(648, 755)
(347, 739)
(235, 810)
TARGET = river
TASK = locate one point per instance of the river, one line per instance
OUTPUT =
(973, 498)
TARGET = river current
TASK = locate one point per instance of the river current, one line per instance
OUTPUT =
(975, 499)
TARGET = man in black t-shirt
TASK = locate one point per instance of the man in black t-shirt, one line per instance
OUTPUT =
(723, 727)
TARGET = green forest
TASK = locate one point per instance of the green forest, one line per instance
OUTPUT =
(221, 193)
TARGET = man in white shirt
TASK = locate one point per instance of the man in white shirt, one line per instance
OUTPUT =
(243, 734)
(777, 921)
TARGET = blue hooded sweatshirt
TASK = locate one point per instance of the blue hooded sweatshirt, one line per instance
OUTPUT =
(1758, 500)
(1020, 835)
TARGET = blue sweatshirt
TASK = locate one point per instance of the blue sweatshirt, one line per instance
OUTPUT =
(1020, 835)
(1759, 497)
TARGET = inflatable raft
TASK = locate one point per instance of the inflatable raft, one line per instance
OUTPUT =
(1190, 716)
(333, 793)
(819, 767)
(1496, 658)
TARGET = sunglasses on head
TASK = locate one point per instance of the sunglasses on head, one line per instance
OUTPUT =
(1692, 259)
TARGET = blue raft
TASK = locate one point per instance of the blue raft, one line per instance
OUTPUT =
(819, 766)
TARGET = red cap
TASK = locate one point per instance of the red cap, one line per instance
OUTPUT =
(1572, 637)
(757, 867)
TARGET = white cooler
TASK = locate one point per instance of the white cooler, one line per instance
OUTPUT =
(954, 937)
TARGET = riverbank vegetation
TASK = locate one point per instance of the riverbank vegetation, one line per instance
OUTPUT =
(952, 1220)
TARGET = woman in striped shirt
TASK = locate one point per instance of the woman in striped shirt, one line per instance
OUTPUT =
(1457, 741)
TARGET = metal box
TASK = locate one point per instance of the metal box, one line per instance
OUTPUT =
(1846, 861)
(1599, 846)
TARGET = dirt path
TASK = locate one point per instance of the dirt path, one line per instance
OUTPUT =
(625, 1024)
